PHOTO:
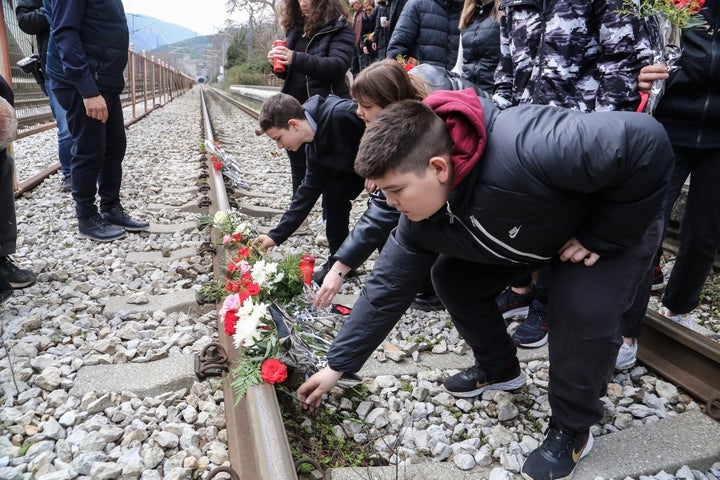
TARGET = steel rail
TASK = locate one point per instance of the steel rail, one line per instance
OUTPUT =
(257, 443)
(684, 357)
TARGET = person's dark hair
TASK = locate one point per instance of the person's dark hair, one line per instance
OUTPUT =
(402, 138)
(277, 111)
(385, 82)
(322, 13)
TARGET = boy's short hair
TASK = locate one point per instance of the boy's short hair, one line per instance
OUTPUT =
(402, 138)
(277, 111)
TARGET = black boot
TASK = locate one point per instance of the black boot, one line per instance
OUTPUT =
(98, 229)
(118, 216)
(13, 275)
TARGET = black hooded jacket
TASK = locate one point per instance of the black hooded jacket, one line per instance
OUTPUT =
(334, 148)
(546, 174)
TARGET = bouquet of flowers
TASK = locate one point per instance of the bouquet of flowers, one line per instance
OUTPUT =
(665, 20)
(266, 308)
(408, 63)
(226, 164)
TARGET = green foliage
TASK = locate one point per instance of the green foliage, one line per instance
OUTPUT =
(24, 449)
(293, 284)
(213, 291)
(245, 375)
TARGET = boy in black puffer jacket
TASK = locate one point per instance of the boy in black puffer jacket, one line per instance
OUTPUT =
(487, 196)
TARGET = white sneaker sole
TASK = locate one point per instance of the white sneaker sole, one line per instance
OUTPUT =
(513, 384)
(516, 312)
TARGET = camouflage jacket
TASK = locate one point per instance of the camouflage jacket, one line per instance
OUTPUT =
(577, 54)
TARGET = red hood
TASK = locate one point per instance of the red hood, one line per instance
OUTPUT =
(465, 120)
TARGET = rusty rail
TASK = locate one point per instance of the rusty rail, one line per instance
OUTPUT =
(257, 442)
(684, 357)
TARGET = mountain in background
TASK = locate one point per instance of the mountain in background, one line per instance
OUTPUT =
(148, 33)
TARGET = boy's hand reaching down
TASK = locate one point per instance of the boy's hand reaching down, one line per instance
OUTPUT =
(315, 387)
(575, 252)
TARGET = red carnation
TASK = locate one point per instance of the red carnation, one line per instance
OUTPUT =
(218, 165)
(230, 320)
(273, 371)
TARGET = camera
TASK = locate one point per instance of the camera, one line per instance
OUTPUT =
(30, 64)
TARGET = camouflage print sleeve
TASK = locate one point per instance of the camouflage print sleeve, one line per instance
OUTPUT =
(625, 46)
(504, 71)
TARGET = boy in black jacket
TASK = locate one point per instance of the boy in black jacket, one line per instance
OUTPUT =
(487, 196)
(329, 130)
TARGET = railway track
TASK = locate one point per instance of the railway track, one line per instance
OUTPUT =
(258, 446)
(685, 358)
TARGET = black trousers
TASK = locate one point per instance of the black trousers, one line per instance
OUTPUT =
(585, 309)
(8, 222)
(338, 196)
(97, 152)
(700, 227)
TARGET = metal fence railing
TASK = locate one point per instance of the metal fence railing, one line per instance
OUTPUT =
(150, 82)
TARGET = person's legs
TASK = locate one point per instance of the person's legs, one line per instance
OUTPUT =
(585, 310)
(8, 222)
(88, 136)
(63, 135)
(340, 192)
(297, 167)
(110, 174)
(11, 276)
(468, 291)
(699, 232)
(631, 322)
(88, 149)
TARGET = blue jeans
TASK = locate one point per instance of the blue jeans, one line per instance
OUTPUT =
(63, 135)
(97, 152)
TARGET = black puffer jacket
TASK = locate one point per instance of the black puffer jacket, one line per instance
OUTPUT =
(337, 137)
(690, 107)
(545, 175)
(319, 65)
(428, 31)
(481, 49)
(32, 20)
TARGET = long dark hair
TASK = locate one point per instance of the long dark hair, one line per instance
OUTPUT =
(322, 13)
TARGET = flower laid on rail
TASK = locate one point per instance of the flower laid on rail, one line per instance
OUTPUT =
(408, 63)
(255, 286)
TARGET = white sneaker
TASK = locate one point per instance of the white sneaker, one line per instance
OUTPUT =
(684, 321)
(627, 355)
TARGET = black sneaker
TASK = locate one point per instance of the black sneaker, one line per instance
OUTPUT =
(15, 276)
(513, 304)
(658, 280)
(98, 229)
(533, 331)
(427, 302)
(118, 216)
(66, 184)
(558, 455)
(473, 381)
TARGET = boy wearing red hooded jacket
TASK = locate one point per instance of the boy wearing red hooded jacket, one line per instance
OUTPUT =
(464, 174)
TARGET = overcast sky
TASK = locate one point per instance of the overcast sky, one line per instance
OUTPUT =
(202, 16)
